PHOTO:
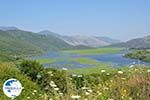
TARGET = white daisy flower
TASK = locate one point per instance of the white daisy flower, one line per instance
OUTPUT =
(103, 71)
(120, 72)
(64, 68)
(148, 71)
(87, 93)
(56, 89)
(75, 96)
(79, 75)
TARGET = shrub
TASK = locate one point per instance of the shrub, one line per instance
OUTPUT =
(31, 69)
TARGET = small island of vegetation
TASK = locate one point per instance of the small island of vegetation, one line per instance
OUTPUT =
(143, 55)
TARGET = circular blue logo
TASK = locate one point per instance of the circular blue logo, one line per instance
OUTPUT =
(12, 88)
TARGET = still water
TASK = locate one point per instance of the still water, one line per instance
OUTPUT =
(114, 59)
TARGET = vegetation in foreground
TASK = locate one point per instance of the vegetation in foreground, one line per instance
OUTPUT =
(143, 55)
(9, 70)
(102, 84)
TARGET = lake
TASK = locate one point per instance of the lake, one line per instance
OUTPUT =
(67, 59)
(118, 59)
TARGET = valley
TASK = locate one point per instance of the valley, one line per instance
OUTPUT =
(74, 49)
(49, 67)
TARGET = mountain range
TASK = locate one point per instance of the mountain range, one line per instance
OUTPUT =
(135, 43)
(89, 41)
(14, 41)
(3, 28)
(25, 42)
(94, 41)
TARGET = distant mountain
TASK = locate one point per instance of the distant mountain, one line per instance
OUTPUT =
(89, 41)
(7, 28)
(24, 42)
(135, 43)
(84, 40)
(109, 40)
(47, 32)
(14, 41)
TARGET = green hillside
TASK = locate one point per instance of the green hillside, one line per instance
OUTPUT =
(18, 42)
(9, 44)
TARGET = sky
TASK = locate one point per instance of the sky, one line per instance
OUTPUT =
(118, 19)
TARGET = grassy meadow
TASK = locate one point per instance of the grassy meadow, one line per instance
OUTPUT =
(95, 51)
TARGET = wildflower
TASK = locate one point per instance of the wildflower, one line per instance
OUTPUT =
(99, 85)
(110, 99)
(28, 97)
(79, 75)
(60, 94)
(99, 93)
(83, 88)
(135, 69)
(87, 93)
(38, 76)
(52, 84)
(56, 97)
(46, 88)
(35, 91)
(125, 91)
(108, 74)
(75, 96)
(56, 89)
(103, 71)
(120, 72)
(64, 68)
(148, 71)
(111, 80)
(74, 75)
(90, 90)
(123, 78)
(106, 88)
(50, 72)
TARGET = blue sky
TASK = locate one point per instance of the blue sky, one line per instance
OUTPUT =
(119, 19)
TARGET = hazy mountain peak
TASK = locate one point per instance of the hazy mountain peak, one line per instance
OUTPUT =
(6, 28)
(47, 32)
(135, 43)
(90, 41)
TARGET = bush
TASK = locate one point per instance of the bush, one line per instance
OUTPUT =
(31, 69)
(9, 70)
